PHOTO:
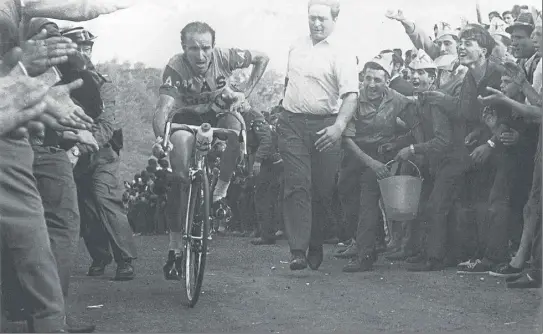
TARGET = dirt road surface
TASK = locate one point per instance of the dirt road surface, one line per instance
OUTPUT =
(251, 289)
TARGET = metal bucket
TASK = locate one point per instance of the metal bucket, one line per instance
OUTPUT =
(401, 195)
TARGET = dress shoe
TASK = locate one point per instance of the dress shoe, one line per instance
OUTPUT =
(262, 241)
(398, 256)
(355, 265)
(98, 268)
(315, 257)
(348, 253)
(125, 271)
(428, 265)
(298, 261)
(527, 281)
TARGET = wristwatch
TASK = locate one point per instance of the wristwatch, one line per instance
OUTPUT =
(491, 143)
(75, 151)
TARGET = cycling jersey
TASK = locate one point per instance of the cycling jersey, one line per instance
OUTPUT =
(198, 91)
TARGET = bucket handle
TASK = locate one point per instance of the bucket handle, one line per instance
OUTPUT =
(411, 162)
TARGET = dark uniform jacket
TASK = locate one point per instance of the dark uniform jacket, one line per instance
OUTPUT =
(259, 136)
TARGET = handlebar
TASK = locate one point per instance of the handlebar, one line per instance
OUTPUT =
(219, 133)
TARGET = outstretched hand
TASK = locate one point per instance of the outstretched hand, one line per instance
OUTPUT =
(395, 15)
(496, 97)
(63, 110)
(22, 97)
(41, 53)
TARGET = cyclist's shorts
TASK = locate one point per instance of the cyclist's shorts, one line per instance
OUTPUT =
(190, 118)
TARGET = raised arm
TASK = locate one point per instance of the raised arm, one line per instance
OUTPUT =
(418, 36)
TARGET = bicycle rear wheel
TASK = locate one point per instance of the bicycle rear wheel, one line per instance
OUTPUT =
(195, 237)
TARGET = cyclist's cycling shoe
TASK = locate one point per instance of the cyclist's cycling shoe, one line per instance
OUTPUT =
(173, 267)
(221, 210)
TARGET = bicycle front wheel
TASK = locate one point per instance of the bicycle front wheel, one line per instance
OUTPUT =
(196, 237)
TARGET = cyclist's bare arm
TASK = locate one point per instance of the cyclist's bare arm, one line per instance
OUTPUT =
(162, 111)
(259, 61)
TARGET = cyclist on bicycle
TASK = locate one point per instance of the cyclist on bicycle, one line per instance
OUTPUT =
(195, 81)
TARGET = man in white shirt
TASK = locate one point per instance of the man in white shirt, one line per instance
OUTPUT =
(319, 74)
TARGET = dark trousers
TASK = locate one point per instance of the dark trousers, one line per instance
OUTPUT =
(58, 192)
(26, 249)
(360, 193)
(240, 198)
(522, 156)
(309, 177)
(104, 222)
(447, 186)
(266, 193)
(496, 228)
(533, 212)
(349, 194)
(486, 202)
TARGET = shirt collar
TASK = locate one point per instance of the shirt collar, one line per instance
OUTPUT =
(331, 39)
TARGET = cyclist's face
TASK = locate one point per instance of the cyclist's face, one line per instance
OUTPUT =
(198, 49)
(321, 23)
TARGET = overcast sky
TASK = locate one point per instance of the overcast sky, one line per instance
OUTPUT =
(149, 31)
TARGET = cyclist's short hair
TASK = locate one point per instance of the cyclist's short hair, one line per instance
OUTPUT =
(197, 28)
(480, 35)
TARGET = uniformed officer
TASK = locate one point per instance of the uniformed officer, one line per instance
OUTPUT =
(24, 234)
(53, 172)
(264, 163)
(104, 223)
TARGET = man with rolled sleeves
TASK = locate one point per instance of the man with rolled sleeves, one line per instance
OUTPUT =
(371, 140)
(104, 222)
(319, 74)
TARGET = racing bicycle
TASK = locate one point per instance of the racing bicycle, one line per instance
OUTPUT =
(198, 203)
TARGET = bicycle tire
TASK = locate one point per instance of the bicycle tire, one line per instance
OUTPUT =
(196, 238)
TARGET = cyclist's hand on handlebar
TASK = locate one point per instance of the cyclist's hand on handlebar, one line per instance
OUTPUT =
(240, 104)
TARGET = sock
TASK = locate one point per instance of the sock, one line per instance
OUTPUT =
(175, 242)
(220, 190)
